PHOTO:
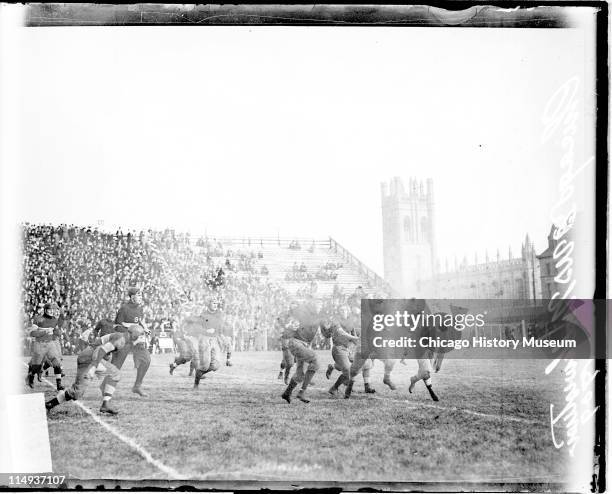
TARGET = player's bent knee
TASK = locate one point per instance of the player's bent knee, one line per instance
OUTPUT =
(114, 376)
(313, 366)
(426, 375)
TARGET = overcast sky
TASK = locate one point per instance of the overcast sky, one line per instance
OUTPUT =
(290, 130)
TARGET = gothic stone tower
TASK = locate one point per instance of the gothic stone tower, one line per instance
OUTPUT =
(408, 235)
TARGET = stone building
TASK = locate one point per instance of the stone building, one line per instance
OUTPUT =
(408, 234)
(411, 265)
(548, 271)
(515, 278)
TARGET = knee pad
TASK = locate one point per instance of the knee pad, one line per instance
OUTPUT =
(114, 377)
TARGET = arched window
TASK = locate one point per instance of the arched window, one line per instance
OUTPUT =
(424, 229)
(408, 229)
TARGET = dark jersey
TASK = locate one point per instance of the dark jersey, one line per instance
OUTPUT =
(342, 338)
(308, 320)
(352, 324)
(45, 322)
(130, 313)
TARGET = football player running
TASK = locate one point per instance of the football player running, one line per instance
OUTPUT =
(130, 313)
(307, 319)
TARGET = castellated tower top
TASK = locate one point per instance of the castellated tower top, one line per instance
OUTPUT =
(416, 189)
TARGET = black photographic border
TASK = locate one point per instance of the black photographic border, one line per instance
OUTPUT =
(546, 14)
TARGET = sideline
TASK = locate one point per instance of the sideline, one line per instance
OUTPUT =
(169, 471)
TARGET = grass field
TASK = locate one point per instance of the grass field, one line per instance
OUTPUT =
(490, 425)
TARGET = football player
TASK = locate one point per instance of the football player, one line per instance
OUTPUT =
(46, 331)
(286, 326)
(214, 319)
(97, 354)
(208, 344)
(130, 313)
(341, 353)
(362, 361)
(206, 356)
(351, 325)
(307, 322)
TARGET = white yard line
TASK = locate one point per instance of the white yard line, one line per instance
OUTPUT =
(169, 471)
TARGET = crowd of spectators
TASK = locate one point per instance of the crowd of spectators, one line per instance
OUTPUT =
(87, 271)
(326, 272)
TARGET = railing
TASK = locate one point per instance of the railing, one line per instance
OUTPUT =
(305, 244)
(372, 276)
(260, 240)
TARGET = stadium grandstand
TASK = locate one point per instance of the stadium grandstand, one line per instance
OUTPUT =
(252, 279)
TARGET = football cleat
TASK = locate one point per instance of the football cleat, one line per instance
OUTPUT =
(138, 391)
(389, 383)
(348, 390)
(108, 409)
(433, 395)
(287, 394)
(369, 389)
(333, 391)
(301, 397)
(280, 375)
(328, 372)
(228, 363)
(413, 381)
(51, 404)
(172, 367)
(60, 387)
(29, 380)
